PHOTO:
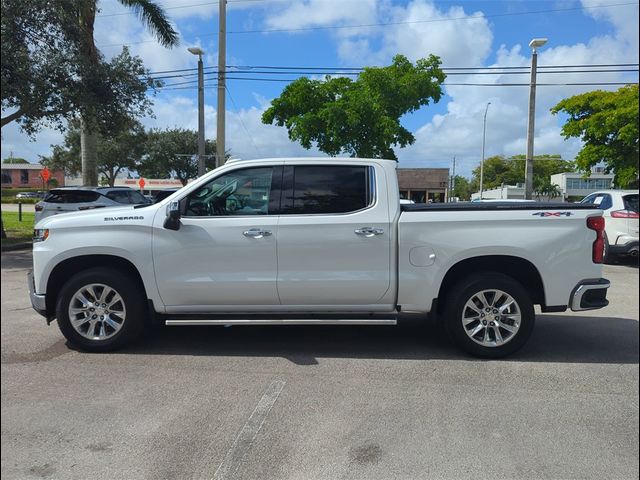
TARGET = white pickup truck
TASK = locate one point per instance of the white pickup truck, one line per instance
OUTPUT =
(315, 241)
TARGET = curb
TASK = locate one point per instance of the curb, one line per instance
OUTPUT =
(17, 246)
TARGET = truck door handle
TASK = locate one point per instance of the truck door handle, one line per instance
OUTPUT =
(368, 231)
(256, 233)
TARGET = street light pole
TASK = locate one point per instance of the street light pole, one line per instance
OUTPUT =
(222, 60)
(528, 174)
(484, 135)
(201, 152)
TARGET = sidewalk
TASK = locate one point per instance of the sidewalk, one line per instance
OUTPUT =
(13, 207)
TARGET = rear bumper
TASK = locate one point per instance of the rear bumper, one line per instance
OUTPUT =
(38, 302)
(629, 248)
(590, 295)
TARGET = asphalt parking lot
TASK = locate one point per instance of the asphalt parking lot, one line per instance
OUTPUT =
(321, 402)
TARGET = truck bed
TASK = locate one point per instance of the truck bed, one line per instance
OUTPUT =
(483, 206)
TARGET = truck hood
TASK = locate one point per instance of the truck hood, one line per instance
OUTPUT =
(98, 217)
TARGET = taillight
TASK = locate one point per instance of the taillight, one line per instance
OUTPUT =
(597, 224)
(39, 207)
(624, 214)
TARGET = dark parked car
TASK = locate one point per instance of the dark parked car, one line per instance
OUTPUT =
(162, 194)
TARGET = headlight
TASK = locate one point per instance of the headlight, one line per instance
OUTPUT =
(40, 234)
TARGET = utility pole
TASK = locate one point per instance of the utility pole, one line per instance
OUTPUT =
(453, 178)
(201, 156)
(528, 173)
(222, 60)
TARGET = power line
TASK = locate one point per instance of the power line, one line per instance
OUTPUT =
(211, 75)
(234, 68)
(567, 84)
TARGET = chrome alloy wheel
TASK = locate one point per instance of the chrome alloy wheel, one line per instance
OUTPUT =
(491, 318)
(97, 311)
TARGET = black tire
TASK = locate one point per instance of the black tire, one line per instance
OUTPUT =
(133, 301)
(606, 253)
(464, 291)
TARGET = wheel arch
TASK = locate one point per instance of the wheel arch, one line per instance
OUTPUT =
(70, 266)
(518, 268)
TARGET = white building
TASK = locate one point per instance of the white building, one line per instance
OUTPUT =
(505, 192)
(150, 184)
(574, 186)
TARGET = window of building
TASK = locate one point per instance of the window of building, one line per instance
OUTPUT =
(6, 177)
(419, 196)
(436, 197)
(329, 189)
(24, 177)
(404, 194)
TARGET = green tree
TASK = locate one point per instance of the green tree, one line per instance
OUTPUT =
(607, 123)
(39, 62)
(499, 170)
(358, 117)
(15, 160)
(462, 188)
(49, 79)
(171, 153)
(548, 190)
(155, 19)
(117, 152)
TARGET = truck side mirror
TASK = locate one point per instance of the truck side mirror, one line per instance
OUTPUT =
(172, 222)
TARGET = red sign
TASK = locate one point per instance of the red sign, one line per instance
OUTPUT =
(45, 174)
(141, 182)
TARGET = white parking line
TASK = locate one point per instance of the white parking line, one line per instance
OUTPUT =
(247, 435)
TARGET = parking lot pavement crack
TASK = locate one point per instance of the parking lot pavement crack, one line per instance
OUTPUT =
(243, 442)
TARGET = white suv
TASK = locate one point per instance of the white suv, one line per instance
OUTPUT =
(620, 210)
(72, 199)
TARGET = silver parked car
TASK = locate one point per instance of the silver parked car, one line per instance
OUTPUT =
(72, 199)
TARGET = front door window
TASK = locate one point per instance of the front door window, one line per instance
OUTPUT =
(241, 192)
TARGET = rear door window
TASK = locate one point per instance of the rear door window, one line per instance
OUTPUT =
(71, 196)
(327, 189)
(630, 202)
(601, 200)
(120, 196)
(137, 198)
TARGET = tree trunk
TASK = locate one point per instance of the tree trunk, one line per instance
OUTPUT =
(88, 138)
(88, 148)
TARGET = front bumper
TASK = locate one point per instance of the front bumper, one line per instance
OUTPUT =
(590, 295)
(38, 302)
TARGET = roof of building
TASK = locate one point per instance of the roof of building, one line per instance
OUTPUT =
(21, 166)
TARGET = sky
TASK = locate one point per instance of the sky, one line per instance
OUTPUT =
(342, 34)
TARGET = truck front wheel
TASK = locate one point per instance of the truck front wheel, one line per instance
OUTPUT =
(489, 315)
(100, 310)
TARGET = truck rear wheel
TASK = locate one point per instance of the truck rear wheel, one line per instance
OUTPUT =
(489, 315)
(100, 310)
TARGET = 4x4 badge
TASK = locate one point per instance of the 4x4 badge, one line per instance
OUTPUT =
(553, 214)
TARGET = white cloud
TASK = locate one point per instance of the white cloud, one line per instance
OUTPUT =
(17, 143)
(318, 13)
(246, 135)
(459, 130)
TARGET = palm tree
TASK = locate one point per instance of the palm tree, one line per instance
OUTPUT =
(155, 19)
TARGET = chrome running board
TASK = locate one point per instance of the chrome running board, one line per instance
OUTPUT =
(283, 321)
